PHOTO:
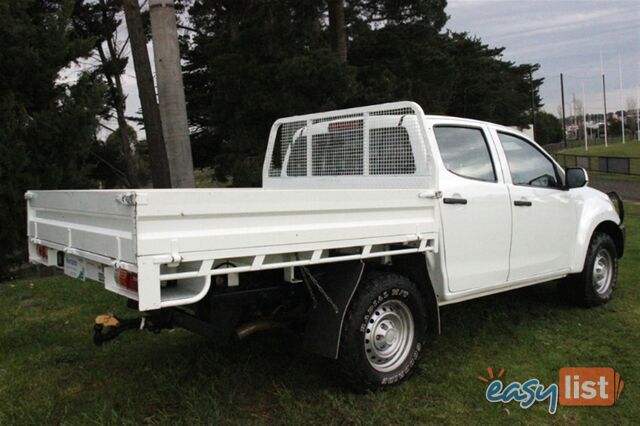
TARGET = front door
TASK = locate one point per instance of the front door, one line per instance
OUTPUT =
(476, 214)
(543, 215)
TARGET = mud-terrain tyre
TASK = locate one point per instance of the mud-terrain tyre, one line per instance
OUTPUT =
(595, 284)
(384, 332)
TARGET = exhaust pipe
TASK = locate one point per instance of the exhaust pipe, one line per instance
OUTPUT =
(249, 328)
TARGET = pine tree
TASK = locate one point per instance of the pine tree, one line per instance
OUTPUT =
(47, 128)
(251, 62)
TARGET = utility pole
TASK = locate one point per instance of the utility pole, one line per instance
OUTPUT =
(621, 97)
(146, 91)
(638, 113)
(533, 102)
(584, 118)
(573, 111)
(604, 99)
(564, 119)
(173, 109)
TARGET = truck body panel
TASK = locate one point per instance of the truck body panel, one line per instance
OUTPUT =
(91, 221)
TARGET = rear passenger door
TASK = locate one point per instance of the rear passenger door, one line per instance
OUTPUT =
(476, 213)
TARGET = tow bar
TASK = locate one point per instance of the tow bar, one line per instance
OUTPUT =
(107, 327)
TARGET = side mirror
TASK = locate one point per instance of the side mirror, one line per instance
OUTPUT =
(576, 177)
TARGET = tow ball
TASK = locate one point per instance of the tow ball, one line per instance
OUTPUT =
(107, 327)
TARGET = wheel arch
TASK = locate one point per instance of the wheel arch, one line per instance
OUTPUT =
(607, 226)
(414, 267)
(614, 231)
(595, 211)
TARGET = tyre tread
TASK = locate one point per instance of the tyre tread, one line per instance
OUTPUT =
(354, 373)
(577, 289)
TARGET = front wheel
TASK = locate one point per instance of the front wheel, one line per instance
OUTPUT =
(594, 285)
(383, 333)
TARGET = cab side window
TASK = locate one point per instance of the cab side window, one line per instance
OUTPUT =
(527, 165)
(465, 152)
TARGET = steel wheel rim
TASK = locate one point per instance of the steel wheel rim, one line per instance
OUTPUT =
(602, 271)
(389, 336)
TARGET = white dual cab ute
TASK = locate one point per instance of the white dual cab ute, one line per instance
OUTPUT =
(369, 219)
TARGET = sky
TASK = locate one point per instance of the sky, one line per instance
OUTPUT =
(563, 36)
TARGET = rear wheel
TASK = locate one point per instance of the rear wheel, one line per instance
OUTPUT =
(383, 333)
(594, 285)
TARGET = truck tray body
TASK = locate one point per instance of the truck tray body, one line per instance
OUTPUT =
(126, 229)
(337, 186)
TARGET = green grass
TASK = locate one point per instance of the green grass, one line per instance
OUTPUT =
(51, 373)
(630, 149)
(205, 179)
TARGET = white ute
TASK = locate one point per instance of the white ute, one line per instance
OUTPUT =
(369, 219)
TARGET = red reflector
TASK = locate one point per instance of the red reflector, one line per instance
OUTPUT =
(345, 125)
(126, 279)
(43, 252)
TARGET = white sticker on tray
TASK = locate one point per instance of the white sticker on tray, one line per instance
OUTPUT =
(75, 267)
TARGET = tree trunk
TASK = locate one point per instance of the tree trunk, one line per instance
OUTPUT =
(117, 96)
(173, 109)
(158, 162)
(337, 29)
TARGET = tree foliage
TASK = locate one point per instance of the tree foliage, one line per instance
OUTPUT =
(99, 20)
(251, 62)
(46, 128)
(548, 128)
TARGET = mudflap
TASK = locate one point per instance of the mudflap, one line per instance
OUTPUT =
(324, 324)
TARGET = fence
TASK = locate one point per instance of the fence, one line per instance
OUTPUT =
(620, 165)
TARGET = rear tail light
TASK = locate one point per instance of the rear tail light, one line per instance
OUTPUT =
(43, 252)
(127, 279)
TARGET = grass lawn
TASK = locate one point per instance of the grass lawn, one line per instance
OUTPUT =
(205, 179)
(51, 373)
(630, 149)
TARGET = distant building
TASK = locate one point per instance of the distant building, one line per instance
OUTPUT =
(594, 130)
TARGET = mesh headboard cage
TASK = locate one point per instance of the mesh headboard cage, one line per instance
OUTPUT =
(366, 147)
